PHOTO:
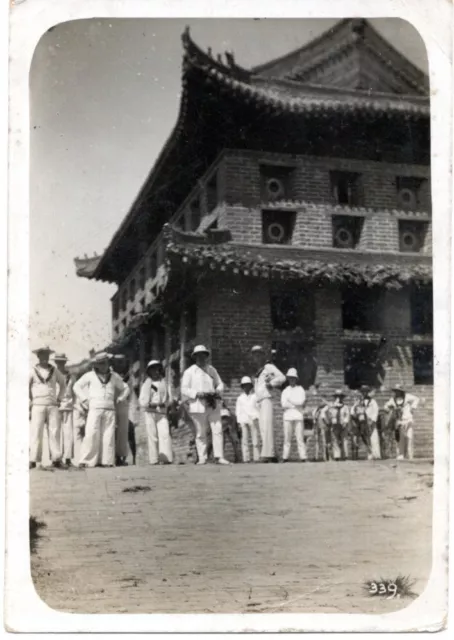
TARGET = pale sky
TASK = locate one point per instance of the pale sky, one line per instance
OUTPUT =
(105, 96)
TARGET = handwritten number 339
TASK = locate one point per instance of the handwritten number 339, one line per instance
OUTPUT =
(382, 589)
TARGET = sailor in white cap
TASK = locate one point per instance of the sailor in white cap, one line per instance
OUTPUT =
(201, 389)
(153, 400)
(44, 399)
(66, 410)
(247, 415)
(292, 400)
(99, 391)
(402, 404)
(267, 378)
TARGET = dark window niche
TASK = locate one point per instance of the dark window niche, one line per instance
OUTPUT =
(278, 226)
(361, 309)
(299, 355)
(346, 188)
(412, 235)
(347, 231)
(421, 308)
(408, 192)
(276, 182)
(292, 309)
(362, 365)
(423, 365)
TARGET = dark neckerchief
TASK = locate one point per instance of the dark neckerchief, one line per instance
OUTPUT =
(108, 376)
(49, 376)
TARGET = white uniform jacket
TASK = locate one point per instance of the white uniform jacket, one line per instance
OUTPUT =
(153, 392)
(197, 380)
(370, 407)
(269, 374)
(246, 408)
(292, 401)
(43, 385)
(408, 405)
(90, 389)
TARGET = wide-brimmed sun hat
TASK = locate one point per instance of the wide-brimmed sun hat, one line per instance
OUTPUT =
(101, 357)
(292, 373)
(225, 413)
(60, 357)
(245, 380)
(399, 388)
(43, 350)
(364, 388)
(153, 363)
(339, 393)
(200, 348)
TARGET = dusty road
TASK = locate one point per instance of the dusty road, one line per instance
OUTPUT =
(247, 538)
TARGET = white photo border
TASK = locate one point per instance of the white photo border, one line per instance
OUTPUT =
(29, 20)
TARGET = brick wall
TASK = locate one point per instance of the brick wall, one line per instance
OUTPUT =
(311, 183)
(235, 315)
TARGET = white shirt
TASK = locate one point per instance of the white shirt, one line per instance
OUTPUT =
(271, 374)
(246, 408)
(408, 404)
(197, 380)
(153, 392)
(292, 401)
(89, 388)
(43, 384)
(67, 402)
(370, 407)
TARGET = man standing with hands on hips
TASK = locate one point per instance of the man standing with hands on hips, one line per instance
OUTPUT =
(267, 378)
(201, 389)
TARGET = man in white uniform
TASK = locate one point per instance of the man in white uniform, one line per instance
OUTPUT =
(267, 378)
(99, 391)
(201, 389)
(403, 404)
(154, 399)
(44, 400)
(292, 400)
(247, 416)
(66, 410)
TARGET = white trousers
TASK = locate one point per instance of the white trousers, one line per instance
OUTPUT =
(67, 434)
(98, 446)
(298, 426)
(406, 440)
(375, 444)
(49, 417)
(266, 427)
(121, 434)
(158, 435)
(253, 428)
(202, 422)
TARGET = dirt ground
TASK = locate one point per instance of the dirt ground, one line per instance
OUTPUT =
(238, 539)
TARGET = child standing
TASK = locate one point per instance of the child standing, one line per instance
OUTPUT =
(292, 400)
(247, 416)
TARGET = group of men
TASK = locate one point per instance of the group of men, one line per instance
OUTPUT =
(91, 421)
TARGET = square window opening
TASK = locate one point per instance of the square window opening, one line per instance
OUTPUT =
(278, 227)
(362, 309)
(362, 365)
(408, 192)
(292, 309)
(299, 355)
(276, 182)
(412, 235)
(346, 188)
(421, 306)
(423, 365)
(347, 231)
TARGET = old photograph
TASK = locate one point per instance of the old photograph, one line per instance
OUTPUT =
(231, 268)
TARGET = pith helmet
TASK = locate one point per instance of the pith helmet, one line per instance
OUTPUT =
(292, 373)
(200, 348)
(245, 380)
